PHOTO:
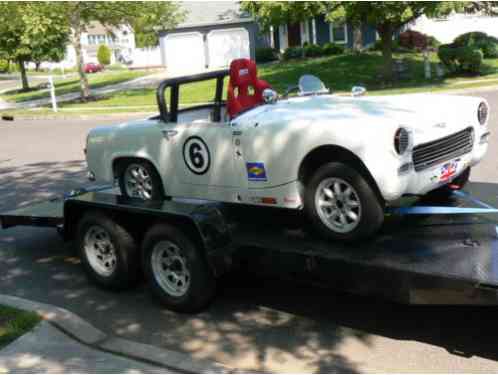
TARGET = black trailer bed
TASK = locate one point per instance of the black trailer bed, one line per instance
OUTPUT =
(417, 259)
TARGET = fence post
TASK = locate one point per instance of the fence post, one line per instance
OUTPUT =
(52, 93)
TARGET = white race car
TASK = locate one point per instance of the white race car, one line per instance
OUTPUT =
(340, 159)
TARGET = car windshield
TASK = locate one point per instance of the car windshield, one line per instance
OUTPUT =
(311, 85)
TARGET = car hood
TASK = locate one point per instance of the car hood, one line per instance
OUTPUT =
(428, 116)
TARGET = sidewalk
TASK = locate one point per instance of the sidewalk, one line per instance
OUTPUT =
(64, 342)
(47, 350)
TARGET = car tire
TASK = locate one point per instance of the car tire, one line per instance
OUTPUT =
(139, 179)
(341, 204)
(447, 190)
(107, 251)
(176, 270)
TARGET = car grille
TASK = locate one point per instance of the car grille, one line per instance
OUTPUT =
(443, 149)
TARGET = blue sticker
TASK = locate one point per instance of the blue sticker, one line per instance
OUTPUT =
(256, 171)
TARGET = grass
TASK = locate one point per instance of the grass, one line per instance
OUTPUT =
(14, 323)
(339, 73)
(72, 84)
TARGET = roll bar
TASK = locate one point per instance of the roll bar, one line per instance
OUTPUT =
(174, 85)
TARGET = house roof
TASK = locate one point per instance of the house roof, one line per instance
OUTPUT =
(201, 13)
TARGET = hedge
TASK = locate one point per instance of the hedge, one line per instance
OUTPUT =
(460, 59)
(266, 54)
(479, 40)
(104, 55)
(313, 50)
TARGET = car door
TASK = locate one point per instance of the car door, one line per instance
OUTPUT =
(205, 157)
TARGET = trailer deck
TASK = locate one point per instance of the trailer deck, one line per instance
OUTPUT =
(417, 259)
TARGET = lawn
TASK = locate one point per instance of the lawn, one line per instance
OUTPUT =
(72, 84)
(14, 323)
(339, 73)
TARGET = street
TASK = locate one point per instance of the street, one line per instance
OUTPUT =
(254, 323)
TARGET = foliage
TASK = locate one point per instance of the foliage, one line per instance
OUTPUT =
(163, 14)
(332, 49)
(145, 16)
(293, 53)
(486, 43)
(414, 40)
(458, 59)
(313, 50)
(104, 55)
(32, 31)
(4, 66)
(266, 54)
(385, 16)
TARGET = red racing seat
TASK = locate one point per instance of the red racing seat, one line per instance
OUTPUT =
(245, 90)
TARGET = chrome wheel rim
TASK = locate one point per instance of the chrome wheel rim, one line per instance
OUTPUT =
(138, 182)
(100, 251)
(170, 268)
(338, 205)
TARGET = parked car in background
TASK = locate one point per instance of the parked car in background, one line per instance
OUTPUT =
(92, 68)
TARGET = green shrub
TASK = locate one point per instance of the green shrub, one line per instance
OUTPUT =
(266, 54)
(332, 49)
(104, 55)
(313, 50)
(478, 40)
(489, 49)
(4, 66)
(293, 53)
(469, 59)
(460, 59)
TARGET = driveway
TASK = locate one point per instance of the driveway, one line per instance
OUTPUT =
(255, 323)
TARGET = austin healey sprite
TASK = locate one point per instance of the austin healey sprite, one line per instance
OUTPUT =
(340, 159)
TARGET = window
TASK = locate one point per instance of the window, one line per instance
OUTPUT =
(339, 33)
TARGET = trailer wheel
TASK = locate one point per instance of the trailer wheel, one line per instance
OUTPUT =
(177, 273)
(108, 252)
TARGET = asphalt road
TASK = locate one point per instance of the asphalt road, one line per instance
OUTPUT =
(254, 324)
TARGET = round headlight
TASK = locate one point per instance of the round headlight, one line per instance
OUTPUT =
(401, 140)
(482, 113)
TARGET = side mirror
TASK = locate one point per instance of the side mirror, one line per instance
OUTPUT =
(358, 91)
(270, 96)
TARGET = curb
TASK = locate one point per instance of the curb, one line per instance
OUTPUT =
(82, 331)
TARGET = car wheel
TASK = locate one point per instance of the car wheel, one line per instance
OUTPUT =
(341, 204)
(108, 252)
(139, 179)
(176, 270)
(447, 190)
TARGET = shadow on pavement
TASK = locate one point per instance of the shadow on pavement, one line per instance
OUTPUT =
(255, 323)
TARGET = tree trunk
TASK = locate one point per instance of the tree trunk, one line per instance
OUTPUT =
(24, 76)
(386, 36)
(84, 87)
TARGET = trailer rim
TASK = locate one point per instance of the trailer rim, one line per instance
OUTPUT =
(170, 268)
(100, 250)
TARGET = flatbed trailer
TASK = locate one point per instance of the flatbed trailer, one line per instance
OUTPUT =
(424, 254)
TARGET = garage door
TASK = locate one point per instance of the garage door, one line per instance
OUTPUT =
(184, 53)
(226, 45)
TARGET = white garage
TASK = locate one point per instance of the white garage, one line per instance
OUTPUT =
(194, 51)
(225, 45)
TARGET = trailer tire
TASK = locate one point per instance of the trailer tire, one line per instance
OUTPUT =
(108, 252)
(176, 270)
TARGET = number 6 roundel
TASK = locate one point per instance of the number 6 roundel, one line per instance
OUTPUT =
(196, 155)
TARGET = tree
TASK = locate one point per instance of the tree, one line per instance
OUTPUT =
(386, 16)
(80, 14)
(104, 55)
(31, 31)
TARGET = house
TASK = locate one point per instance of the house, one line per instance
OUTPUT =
(446, 29)
(212, 34)
(318, 31)
(121, 42)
